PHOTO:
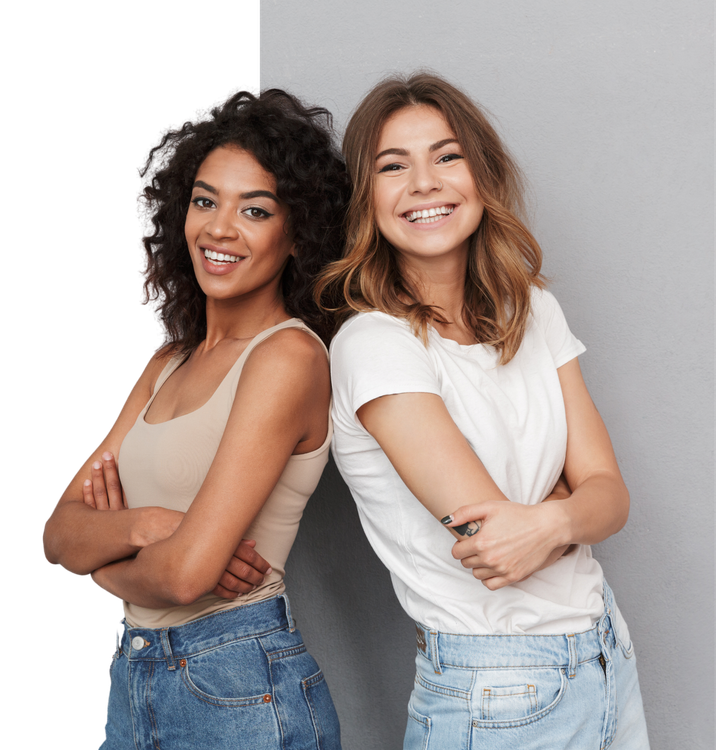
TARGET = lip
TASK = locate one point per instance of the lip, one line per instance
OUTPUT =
(427, 206)
(218, 249)
(213, 269)
(433, 224)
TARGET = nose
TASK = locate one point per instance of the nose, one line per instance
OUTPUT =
(424, 179)
(222, 224)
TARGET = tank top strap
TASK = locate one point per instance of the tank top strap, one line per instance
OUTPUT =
(174, 361)
(259, 338)
(235, 372)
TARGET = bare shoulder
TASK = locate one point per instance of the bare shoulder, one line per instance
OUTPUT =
(291, 349)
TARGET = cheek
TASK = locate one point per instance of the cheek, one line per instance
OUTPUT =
(189, 229)
(383, 209)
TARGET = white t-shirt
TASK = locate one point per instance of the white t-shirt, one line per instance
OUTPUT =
(513, 418)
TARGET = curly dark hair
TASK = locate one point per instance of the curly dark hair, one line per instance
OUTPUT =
(292, 142)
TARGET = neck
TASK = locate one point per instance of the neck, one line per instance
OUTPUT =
(439, 282)
(243, 318)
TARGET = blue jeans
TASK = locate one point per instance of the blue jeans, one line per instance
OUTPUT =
(528, 692)
(239, 679)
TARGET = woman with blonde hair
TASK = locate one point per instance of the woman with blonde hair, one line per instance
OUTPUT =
(458, 399)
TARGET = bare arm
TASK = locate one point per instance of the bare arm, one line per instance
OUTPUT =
(283, 385)
(597, 508)
(82, 538)
(246, 568)
(424, 445)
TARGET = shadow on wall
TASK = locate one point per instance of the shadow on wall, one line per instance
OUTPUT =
(344, 605)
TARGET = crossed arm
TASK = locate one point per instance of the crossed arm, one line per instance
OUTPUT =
(424, 445)
(283, 383)
(245, 570)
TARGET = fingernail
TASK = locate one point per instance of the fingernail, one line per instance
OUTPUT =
(107, 456)
(269, 571)
(96, 465)
(88, 483)
(447, 519)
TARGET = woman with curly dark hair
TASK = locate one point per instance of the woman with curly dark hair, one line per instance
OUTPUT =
(224, 436)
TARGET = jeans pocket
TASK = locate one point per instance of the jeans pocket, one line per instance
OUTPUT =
(417, 733)
(517, 697)
(621, 633)
(322, 710)
(233, 675)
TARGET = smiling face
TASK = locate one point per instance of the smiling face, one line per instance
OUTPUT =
(426, 204)
(236, 228)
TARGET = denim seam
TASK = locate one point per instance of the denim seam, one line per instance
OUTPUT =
(474, 668)
(215, 700)
(131, 702)
(452, 692)
(150, 709)
(277, 713)
(314, 679)
(285, 653)
(203, 649)
(490, 724)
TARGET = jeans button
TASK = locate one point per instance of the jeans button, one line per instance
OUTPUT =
(137, 643)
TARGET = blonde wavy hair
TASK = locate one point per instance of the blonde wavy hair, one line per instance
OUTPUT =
(504, 260)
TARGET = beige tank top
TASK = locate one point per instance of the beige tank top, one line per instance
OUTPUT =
(165, 465)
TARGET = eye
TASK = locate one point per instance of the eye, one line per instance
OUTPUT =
(390, 168)
(201, 202)
(254, 212)
(447, 158)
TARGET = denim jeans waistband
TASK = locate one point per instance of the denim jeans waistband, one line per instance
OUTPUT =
(505, 651)
(218, 629)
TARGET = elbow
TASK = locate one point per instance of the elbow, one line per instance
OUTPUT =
(184, 596)
(185, 587)
(49, 545)
(622, 515)
(56, 554)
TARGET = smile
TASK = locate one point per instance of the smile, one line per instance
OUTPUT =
(428, 215)
(218, 258)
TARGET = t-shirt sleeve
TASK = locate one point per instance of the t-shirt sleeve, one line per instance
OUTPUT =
(562, 343)
(374, 355)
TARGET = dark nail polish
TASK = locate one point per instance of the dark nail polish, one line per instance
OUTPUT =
(447, 519)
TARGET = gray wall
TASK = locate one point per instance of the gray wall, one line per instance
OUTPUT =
(608, 107)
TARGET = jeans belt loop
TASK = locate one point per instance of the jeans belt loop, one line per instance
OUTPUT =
(434, 651)
(167, 649)
(573, 656)
(421, 640)
(289, 619)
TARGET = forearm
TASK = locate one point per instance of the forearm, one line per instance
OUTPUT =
(597, 508)
(82, 539)
(152, 578)
(127, 580)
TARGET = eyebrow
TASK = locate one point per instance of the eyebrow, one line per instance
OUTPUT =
(245, 196)
(403, 152)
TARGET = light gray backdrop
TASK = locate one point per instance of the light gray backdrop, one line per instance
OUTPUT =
(608, 107)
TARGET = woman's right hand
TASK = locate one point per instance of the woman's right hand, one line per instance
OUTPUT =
(246, 569)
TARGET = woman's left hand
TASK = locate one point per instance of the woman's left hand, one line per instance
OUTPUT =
(513, 541)
(103, 490)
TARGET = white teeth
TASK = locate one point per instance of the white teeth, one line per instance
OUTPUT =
(427, 216)
(220, 257)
